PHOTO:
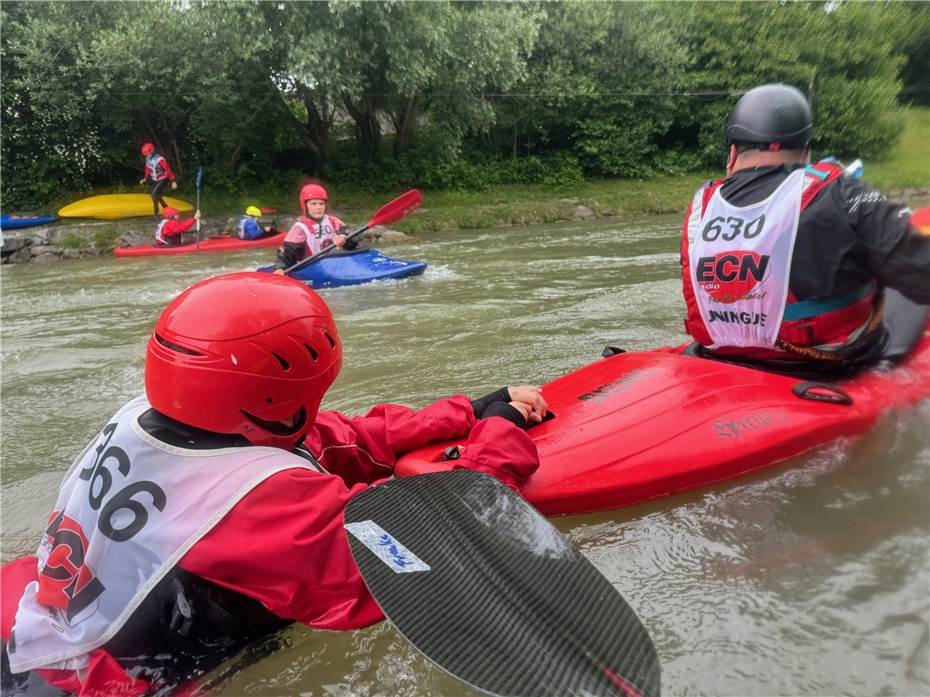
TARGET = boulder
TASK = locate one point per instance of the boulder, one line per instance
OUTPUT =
(583, 213)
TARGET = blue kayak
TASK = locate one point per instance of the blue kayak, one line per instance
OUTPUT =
(15, 222)
(353, 268)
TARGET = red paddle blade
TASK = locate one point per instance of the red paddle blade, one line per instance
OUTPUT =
(400, 207)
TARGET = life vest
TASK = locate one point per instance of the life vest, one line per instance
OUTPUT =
(736, 263)
(128, 510)
(155, 163)
(160, 232)
(244, 226)
(316, 233)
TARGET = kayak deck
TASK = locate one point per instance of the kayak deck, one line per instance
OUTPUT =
(354, 268)
(118, 206)
(18, 222)
(646, 424)
(229, 243)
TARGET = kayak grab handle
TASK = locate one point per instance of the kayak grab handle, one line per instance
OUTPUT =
(822, 392)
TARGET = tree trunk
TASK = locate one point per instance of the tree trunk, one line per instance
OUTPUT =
(367, 128)
(314, 134)
(405, 123)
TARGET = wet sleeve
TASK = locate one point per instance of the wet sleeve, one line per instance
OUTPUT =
(501, 449)
(364, 448)
(284, 545)
(897, 255)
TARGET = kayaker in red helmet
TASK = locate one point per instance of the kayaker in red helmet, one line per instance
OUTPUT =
(787, 261)
(210, 510)
(158, 173)
(170, 231)
(314, 230)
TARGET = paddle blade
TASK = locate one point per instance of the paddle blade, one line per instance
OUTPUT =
(199, 179)
(484, 586)
(399, 208)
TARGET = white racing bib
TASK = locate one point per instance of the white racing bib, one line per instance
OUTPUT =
(324, 230)
(740, 259)
(129, 508)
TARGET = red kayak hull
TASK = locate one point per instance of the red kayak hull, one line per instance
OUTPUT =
(211, 244)
(647, 424)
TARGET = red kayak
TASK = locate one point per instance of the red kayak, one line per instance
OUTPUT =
(646, 424)
(216, 243)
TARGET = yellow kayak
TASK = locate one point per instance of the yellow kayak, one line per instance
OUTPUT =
(116, 206)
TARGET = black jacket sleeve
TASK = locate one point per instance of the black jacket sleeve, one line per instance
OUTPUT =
(289, 254)
(893, 250)
(350, 244)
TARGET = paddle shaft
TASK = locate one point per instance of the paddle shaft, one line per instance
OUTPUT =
(198, 182)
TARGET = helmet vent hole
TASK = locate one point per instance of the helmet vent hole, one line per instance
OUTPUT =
(313, 354)
(268, 400)
(331, 340)
(175, 347)
(285, 366)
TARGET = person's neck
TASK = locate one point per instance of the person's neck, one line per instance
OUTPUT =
(754, 159)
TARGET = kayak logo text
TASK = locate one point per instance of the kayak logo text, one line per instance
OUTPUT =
(756, 421)
(599, 394)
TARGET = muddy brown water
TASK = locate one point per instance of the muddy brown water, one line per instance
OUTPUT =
(809, 578)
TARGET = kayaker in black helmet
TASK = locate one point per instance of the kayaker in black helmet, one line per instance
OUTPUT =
(784, 260)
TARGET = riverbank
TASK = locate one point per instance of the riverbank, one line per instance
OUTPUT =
(903, 176)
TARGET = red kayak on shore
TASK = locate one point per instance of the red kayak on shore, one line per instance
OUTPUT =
(646, 424)
(216, 243)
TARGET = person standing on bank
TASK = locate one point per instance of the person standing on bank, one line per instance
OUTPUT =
(787, 261)
(158, 173)
(314, 230)
(209, 510)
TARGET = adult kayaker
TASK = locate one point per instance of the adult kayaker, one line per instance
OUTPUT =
(209, 510)
(170, 231)
(314, 230)
(158, 173)
(787, 261)
(249, 227)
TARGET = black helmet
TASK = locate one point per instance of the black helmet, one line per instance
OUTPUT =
(771, 114)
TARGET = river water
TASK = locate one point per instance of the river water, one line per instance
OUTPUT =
(809, 578)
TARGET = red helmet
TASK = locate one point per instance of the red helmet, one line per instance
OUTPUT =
(148, 149)
(244, 353)
(311, 191)
(169, 211)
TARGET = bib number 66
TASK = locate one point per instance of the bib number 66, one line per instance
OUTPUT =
(100, 481)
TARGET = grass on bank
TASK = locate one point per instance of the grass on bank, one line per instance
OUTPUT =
(906, 167)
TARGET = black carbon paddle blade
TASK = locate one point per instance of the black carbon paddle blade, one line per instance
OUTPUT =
(484, 586)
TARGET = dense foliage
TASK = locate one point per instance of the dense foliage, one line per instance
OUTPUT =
(442, 94)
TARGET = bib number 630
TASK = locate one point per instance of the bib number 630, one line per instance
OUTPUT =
(101, 480)
(735, 227)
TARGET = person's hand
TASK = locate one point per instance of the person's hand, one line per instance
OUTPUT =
(197, 215)
(174, 186)
(267, 228)
(529, 400)
(142, 181)
(279, 272)
(339, 240)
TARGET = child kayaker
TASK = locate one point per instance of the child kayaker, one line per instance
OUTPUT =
(249, 227)
(171, 229)
(209, 511)
(158, 173)
(314, 230)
